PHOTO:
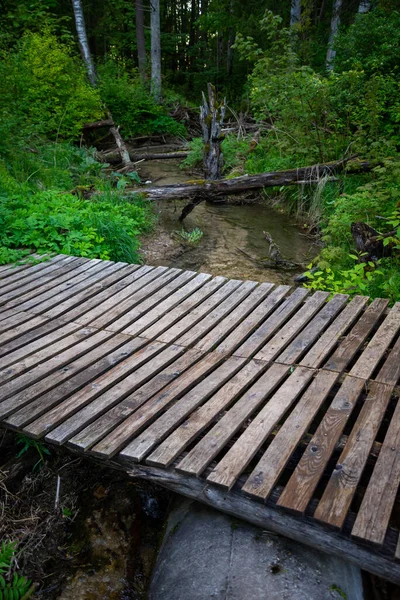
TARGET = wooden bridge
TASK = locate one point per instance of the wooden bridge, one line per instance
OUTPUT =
(272, 404)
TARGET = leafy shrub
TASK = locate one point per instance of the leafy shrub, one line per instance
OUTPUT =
(12, 585)
(132, 106)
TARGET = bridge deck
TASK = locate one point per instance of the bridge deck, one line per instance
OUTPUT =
(274, 404)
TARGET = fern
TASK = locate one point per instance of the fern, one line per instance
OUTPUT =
(12, 586)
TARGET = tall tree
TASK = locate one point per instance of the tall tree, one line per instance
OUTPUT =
(155, 49)
(295, 12)
(335, 22)
(83, 41)
(141, 45)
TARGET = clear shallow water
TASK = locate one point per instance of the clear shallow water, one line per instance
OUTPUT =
(227, 228)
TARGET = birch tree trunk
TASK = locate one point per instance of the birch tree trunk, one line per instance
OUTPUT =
(83, 42)
(364, 6)
(155, 49)
(295, 12)
(141, 46)
(335, 22)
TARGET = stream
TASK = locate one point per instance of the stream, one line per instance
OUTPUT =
(226, 227)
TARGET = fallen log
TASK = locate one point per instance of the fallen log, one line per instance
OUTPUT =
(369, 242)
(202, 189)
(99, 124)
(115, 157)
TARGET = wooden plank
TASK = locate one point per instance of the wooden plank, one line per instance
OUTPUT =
(165, 306)
(106, 356)
(216, 315)
(38, 274)
(302, 484)
(313, 330)
(305, 531)
(106, 300)
(203, 453)
(267, 471)
(155, 433)
(199, 312)
(154, 300)
(376, 508)
(89, 392)
(281, 339)
(199, 420)
(13, 330)
(26, 340)
(234, 318)
(340, 490)
(253, 320)
(185, 307)
(14, 271)
(16, 320)
(26, 387)
(255, 435)
(390, 372)
(104, 424)
(69, 290)
(136, 422)
(281, 313)
(324, 346)
(41, 353)
(357, 336)
(377, 347)
(64, 307)
(5, 314)
(116, 311)
(74, 274)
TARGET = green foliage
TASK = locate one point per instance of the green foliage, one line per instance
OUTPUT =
(12, 585)
(132, 106)
(43, 91)
(191, 237)
(38, 446)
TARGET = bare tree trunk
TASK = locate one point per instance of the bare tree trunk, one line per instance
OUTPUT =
(141, 46)
(155, 49)
(364, 6)
(211, 118)
(335, 22)
(295, 12)
(83, 42)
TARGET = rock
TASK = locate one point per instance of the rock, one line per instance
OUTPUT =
(206, 554)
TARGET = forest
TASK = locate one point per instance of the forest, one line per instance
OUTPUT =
(317, 80)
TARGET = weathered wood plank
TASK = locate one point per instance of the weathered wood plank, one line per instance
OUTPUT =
(390, 371)
(137, 421)
(98, 361)
(350, 345)
(299, 491)
(12, 330)
(313, 330)
(237, 316)
(377, 505)
(159, 430)
(179, 328)
(11, 273)
(187, 306)
(324, 345)
(37, 275)
(201, 418)
(268, 469)
(80, 399)
(149, 317)
(306, 531)
(375, 350)
(206, 449)
(265, 331)
(340, 490)
(255, 435)
(285, 335)
(216, 315)
(104, 424)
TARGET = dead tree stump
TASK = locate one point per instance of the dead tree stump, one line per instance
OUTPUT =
(212, 115)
